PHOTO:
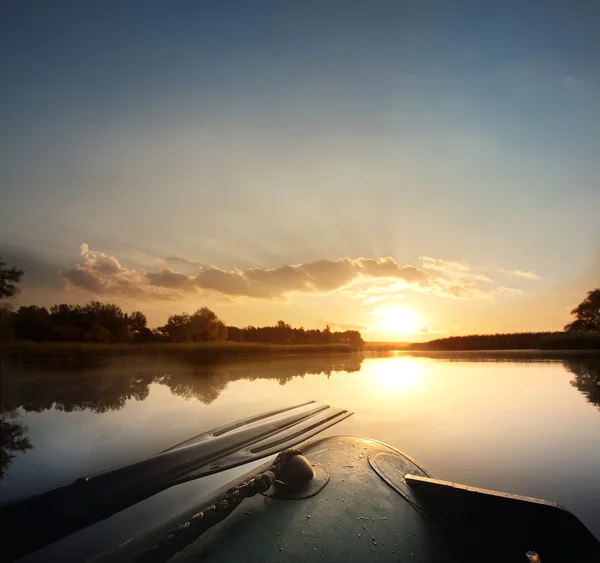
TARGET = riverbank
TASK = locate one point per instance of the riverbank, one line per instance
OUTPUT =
(526, 341)
(501, 355)
(75, 351)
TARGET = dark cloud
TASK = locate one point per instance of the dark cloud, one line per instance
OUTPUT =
(102, 274)
(84, 279)
(169, 278)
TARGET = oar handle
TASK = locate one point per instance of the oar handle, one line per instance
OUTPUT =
(34, 522)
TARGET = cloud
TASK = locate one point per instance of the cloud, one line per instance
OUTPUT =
(453, 270)
(178, 262)
(507, 291)
(529, 274)
(102, 274)
(320, 276)
(348, 326)
(370, 279)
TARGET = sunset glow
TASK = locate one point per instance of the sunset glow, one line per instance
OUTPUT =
(397, 320)
(217, 158)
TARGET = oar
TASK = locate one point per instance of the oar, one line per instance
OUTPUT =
(49, 516)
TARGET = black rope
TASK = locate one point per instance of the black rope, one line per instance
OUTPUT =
(193, 528)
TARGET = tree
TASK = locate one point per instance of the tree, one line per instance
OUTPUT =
(587, 314)
(105, 323)
(9, 280)
(136, 323)
(177, 328)
(206, 326)
(32, 323)
(68, 321)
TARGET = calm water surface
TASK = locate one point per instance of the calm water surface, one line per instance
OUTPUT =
(528, 426)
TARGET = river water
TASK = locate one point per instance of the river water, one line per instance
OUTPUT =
(523, 424)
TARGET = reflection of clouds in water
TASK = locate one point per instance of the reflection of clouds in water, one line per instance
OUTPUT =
(587, 377)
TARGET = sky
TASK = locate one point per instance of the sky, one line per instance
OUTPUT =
(408, 169)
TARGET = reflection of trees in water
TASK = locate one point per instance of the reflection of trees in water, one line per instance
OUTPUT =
(12, 439)
(587, 377)
(105, 387)
(96, 392)
(207, 382)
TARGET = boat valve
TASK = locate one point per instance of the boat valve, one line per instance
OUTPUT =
(296, 472)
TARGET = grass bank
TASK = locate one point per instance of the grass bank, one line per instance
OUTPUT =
(75, 351)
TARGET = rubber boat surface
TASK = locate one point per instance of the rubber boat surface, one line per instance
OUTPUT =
(335, 499)
(369, 502)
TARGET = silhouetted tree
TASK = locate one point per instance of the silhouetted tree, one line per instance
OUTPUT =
(205, 326)
(33, 323)
(177, 328)
(9, 280)
(283, 333)
(6, 325)
(136, 322)
(69, 322)
(587, 314)
(106, 323)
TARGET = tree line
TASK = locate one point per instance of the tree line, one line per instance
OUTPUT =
(106, 323)
(574, 340)
(582, 333)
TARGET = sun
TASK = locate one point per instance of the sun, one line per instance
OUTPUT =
(398, 320)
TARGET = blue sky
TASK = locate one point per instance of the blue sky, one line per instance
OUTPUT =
(260, 135)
